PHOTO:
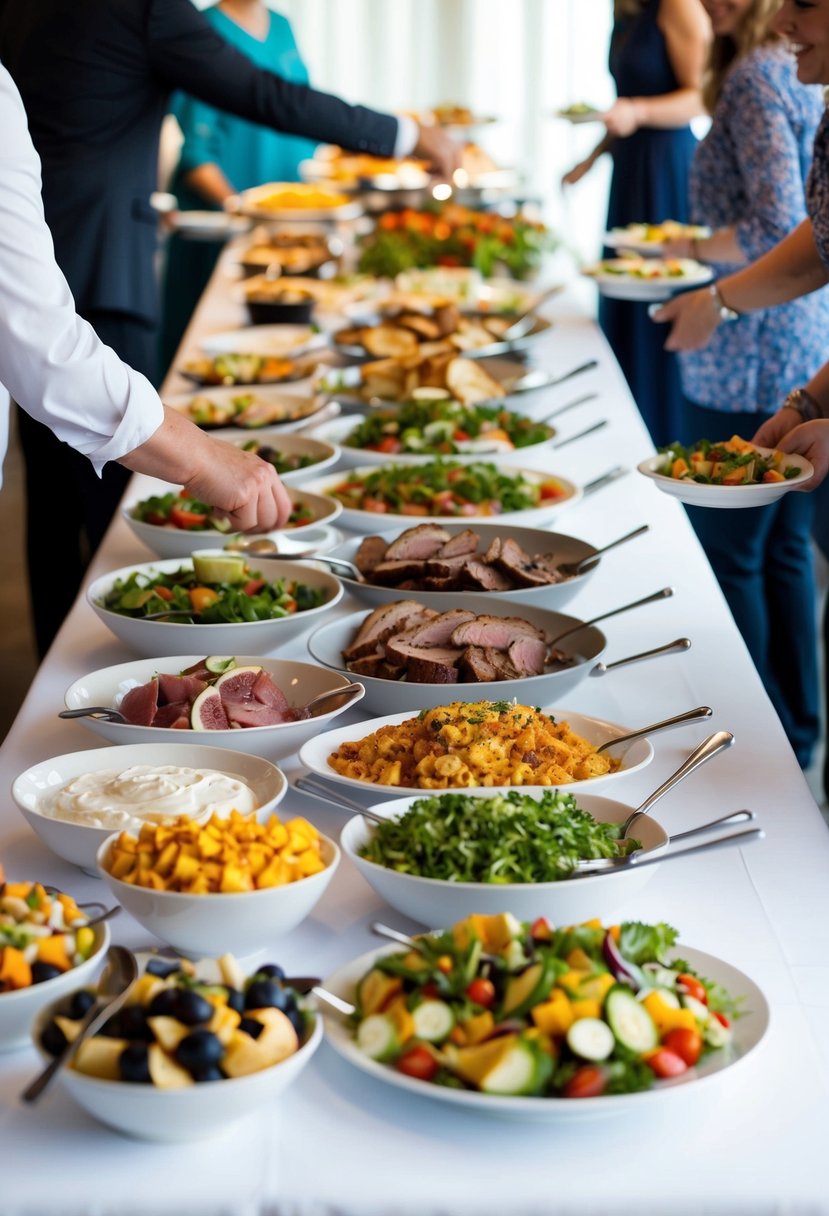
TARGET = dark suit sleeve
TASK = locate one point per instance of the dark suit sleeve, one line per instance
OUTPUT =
(186, 53)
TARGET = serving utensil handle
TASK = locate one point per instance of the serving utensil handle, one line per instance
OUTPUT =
(597, 426)
(707, 750)
(308, 784)
(735, 817)
(675, 647)
(690, 715)
(606, 479)
(664, 594)
(707, 846)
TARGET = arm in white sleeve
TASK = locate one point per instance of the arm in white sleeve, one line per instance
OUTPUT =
(51, 361)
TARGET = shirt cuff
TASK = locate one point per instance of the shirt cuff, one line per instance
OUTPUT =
(407, 136)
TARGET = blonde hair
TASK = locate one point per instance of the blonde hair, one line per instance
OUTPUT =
(725, 50)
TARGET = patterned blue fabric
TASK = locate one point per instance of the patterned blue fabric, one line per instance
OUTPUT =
(817, 189)
(750, 171)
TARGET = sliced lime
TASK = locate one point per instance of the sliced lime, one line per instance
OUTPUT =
(219, 568)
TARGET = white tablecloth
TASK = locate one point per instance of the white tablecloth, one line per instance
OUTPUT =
(751, 1141)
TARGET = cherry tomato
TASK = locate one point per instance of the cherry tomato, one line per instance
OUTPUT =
(163, 593)
(693, 987)
(586, 1082)
(721, 1018)
(461, 436)
(374, 504)
(541, 930)
(666, 1063)
(430, 991)
(481, 992)
(155, 517)
(550, 490)
(444, 963)
(188, 520)
(685, 1043)
(253, 586)
(388, 444)
(418, 1062)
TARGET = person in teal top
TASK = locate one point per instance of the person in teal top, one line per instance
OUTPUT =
(222, 155)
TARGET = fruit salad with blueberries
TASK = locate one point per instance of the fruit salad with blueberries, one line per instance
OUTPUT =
(42, 934)
(511, 1009)
(178, 1029)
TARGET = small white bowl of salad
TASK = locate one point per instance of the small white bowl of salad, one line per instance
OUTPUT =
(172, 525)
(295, 457)
(212, 603)
(733, 473)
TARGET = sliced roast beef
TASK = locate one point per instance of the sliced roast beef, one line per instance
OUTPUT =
(464, 543)
(176, 716)
(172, 689)
(371, 551)
(527, 655)
(435, 632)
(382, 623)
(418, 543)
(139, 704)
(265, 691)
(481, 577)
(496, 631)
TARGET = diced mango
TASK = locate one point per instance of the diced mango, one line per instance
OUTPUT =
(52, 950)
(15, 972)
(554, 1016)
(586, 1008)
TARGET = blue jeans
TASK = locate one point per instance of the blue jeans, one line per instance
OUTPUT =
(763, 561)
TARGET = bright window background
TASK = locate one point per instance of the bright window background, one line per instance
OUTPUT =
(518, 59)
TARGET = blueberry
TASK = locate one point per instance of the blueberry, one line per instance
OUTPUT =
(163, 1003)
(272, 970)
(132, 1022)
(80, 1004)
(191, 1008)
(44, 971)
(162, 967)
(236, 1000)
(53, 1039)
(133, 1064)
(251, 1026)
(265, 994)
(297, 1020)
(209, 1073)
(198, 1050)
(113, 1028)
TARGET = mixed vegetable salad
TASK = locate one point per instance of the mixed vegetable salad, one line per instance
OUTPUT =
(283, 462)
(512, 1009)
(504, 839)
(189, 515)
(736, 462)
(444, 487)
(646, 268)
(241, 369)
(441, 426)
(42, 934)
(211, 591)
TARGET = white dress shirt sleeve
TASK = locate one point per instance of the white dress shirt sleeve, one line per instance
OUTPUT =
(407, 136)
(51, 361)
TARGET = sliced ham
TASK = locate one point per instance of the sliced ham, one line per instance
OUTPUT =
(253, 713)
(139, 704)
(176, 716)
(265, 691)
(172, 689)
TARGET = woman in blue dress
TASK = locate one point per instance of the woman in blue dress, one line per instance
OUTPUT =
(657, 52)
(762, 131)
(222, 154)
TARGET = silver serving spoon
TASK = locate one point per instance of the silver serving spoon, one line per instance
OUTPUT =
(664, 594)
(605, 479)
(597, 426)
(707, 750)
(675, 647)
(573, 569)
(691, 715)
(307, 784)
(109, 714)
(525, 321)
(263, 546)
(530, 381)
(117, 977)
(598, 865)
(349, 691)
(571, 405)
(311, 984)
(638, 859)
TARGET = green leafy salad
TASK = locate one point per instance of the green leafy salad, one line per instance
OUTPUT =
(525, 1010)
(444, 487)
(446, 427)
(509, 838)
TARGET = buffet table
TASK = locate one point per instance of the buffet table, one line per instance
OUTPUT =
(749, 1140)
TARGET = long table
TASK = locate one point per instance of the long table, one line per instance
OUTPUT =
(751, 1141)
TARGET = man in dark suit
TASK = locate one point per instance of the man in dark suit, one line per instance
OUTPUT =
(96, 77)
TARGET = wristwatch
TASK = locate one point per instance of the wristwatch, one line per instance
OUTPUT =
(725, 313)
(801, 400)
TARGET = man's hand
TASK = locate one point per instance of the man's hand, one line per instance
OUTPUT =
(242, 485)
(810, 439)
(695, 317)
(441, 151)
(773, 429)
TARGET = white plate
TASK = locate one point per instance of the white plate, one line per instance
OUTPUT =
(296, 407)
(631, 238)
(367, 521)
(315, 752)
(323, 453)
(626, 287)
(209, 225)
(748, 1033)
(299, 681)
(338, 430)
(698, 494)
(252, 202)
(532, 540)
(276, 341)
(580, 116)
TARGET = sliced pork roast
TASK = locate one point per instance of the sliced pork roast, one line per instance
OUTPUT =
(417, 544)
(496, 631)
(382, 623)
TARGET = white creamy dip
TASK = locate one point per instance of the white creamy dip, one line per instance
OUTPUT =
(146, 793)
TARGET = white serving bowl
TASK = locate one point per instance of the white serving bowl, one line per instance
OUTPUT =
(174, 1116)
(336, 432)
(321, 451)
(633, 755)
(167, 541)
(367, 521)
(212, 925)
(249, 637)
(434, 902)
(78, 843)
(18, 1009)
(532, 540)
(699, 494)
(299, 681)
(290, 406)
(327, 643)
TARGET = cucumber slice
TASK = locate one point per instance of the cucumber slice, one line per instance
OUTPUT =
(377, 1037)
(520, 1071)
(630, 1022)
(591, 1038)
(715, 1034)
(433, 1020)
(218, 665)
(700, 1011)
